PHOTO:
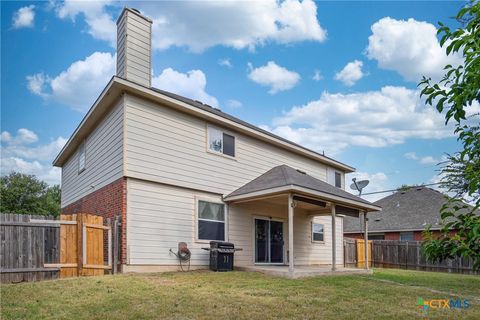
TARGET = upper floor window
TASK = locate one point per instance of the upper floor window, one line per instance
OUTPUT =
(221, 142)
(82, 157)
(338, 179)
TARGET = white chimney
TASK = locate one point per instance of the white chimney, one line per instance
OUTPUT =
(134, 47)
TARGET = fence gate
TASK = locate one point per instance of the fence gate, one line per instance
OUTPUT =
(82, 245)
(361, 253)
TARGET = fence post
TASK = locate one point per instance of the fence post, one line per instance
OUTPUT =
(80, 247)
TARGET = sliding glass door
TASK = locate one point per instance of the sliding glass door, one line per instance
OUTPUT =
(268, 241)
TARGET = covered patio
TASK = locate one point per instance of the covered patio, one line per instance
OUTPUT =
(309, 197)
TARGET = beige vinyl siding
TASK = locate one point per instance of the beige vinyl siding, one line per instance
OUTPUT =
(104, 158)
(306, 252)
(167, 146)
(158, 218)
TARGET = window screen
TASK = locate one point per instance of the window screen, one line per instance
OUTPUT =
(211, 221)
(338, 179)
(228, 145)
(81, 157)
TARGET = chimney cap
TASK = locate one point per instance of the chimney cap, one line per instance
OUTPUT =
(134, 11)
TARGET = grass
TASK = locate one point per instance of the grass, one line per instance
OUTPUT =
(388, 294)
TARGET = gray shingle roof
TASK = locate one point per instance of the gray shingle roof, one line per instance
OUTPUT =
(413, 209)
(285, 176)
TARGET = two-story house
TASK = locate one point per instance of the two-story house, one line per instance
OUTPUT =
(177, 170)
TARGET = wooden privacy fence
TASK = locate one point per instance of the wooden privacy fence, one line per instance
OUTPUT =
(408, 255)
(26, 246)
(354, 253)
(39, 247)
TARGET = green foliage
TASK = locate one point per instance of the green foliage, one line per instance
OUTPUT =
(456, 91)
(406, 187)
(25, 194)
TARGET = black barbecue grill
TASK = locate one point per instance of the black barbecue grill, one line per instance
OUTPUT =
(221, 255)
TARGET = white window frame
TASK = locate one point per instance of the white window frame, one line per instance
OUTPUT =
(220, 153)
(197, 218)
(82, 152)
(323, 228)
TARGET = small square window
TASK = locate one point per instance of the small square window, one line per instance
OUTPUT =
(221, 142)
(82, 157)
(317, 232)
(211, 221)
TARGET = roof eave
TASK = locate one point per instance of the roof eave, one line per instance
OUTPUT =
(305, 191)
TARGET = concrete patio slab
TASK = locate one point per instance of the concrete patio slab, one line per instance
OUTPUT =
(302, 271)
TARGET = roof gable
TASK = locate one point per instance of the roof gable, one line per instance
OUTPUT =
(117, 86)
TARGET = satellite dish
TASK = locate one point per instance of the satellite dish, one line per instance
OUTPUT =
(359, 185)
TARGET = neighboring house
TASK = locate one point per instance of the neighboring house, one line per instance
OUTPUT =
(177, 170)
(405, 214)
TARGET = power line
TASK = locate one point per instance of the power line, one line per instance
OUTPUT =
(391, 190)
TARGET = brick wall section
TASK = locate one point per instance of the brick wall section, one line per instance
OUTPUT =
(108, 201)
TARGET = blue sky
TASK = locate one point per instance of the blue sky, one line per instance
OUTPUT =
(338, 77)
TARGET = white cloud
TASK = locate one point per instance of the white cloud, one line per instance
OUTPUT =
(23, 154)
(424, 160)
(225, 63)
(409, 47)
(24, 136)
(351, 73)
(191, 84)
(36, 84)
(378, 182)
(79, 85)
(199, 25)
(274, 76)
(317, 75)
(24, 17)
(234, 104)
(369, 119)
(101, 25)
(238, 24)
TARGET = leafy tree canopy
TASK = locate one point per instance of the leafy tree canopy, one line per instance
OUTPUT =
(458, 90)
(25, 194)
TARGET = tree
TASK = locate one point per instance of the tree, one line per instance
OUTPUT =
(25, 194)
(455, 92)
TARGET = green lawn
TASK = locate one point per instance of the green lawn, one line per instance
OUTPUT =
(388, 294)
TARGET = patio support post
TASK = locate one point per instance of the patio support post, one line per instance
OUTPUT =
(291, 206)
(365, 235)
(334, 240)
